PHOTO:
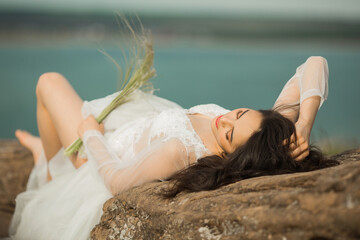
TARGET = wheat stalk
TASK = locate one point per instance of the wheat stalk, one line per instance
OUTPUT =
(138, 71)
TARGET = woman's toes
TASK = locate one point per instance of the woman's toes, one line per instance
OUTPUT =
(29, 141)
(18, 133)
(23, 137)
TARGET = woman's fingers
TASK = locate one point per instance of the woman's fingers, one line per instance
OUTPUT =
(302, 156)
(102, 129)
(291, 140)
(299, 142)
(299, 147)
(300, 151)
(88, 124)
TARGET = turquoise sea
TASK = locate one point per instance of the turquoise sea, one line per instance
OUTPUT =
(231, 75)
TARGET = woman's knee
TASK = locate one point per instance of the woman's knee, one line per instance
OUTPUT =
(48, 82)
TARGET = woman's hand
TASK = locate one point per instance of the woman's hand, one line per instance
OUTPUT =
(90, 123)
(308, 110)
(300, 148)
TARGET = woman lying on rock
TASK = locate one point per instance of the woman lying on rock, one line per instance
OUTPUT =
(149, 139)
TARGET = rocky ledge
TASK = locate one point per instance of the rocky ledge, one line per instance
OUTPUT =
(323, 204)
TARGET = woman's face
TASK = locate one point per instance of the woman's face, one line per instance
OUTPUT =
(235, 128)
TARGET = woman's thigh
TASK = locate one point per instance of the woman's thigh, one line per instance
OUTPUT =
(63, 105)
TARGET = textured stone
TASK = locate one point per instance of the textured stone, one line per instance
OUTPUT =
(322, 204)
(16, 163)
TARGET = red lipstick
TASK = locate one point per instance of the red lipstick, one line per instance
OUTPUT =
(217, 121)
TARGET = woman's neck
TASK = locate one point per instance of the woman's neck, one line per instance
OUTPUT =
(202, 126)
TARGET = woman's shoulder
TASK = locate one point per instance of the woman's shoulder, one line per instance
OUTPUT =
(211, 108)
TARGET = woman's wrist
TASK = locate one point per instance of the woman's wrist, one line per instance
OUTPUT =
(308, 111)
(303, 129)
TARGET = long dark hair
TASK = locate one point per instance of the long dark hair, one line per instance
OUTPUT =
(263, 154)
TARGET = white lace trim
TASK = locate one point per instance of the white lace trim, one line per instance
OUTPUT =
(212, 109)
(171, 123)
(175, 124)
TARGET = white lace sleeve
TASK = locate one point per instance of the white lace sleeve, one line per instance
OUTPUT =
(157, 162)
(310, 79)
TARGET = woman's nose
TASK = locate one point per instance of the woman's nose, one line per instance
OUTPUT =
(226, 122)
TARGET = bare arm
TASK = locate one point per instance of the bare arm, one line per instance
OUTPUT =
(309, 87)
(157, 161)
(308, 111)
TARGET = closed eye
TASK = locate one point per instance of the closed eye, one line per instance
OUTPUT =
(232, 130)
(243, 113)
(238, 114)
(228, 135)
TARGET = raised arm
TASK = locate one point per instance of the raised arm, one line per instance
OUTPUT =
(308, 88)
(158, 161)
(310, 79)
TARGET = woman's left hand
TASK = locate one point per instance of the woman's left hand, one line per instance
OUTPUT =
(90, 123)
(308, 110)
(300, 148)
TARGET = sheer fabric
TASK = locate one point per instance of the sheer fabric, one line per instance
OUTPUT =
(147, 149)
(146, 139)
(160, 158)
(310, 79)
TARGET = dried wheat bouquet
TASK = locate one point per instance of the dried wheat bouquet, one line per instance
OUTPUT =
(138, 70)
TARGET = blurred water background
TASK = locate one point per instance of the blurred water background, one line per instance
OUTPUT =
(232, 53)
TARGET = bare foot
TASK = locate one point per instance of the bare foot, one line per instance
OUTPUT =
(31, 142)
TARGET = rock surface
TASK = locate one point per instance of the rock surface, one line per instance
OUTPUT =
(323, 204)
(16, 163)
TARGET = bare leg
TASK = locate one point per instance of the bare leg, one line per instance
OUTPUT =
(58, 114)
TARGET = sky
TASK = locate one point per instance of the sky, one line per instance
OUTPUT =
(346, 10)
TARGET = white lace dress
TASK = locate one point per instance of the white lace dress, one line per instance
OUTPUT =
(146, 139)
